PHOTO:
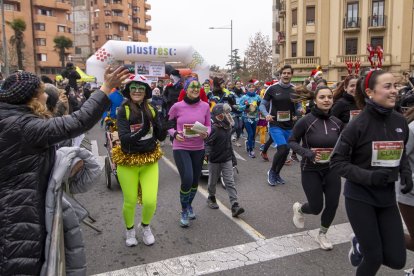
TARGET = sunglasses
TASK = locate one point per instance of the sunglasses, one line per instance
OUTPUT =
(194, 86)
(137, 89)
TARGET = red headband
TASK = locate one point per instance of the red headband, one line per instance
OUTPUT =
(367, 79)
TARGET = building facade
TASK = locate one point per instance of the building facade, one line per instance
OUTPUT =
(309, 33)
(88, 23)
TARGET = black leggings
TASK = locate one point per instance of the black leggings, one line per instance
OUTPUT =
(380, 234)
(316, 185)
(189, 164)
(279, 158)
(267, 145)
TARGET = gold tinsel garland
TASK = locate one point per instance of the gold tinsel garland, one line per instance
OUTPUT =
(136, 159)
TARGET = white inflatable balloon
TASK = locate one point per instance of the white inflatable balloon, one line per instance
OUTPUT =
(115, 50)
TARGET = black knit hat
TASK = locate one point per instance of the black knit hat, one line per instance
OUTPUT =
(19, 88)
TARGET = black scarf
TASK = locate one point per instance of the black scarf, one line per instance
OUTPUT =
(348, 97)
(191, 101)
(320, 114)
(379, 109)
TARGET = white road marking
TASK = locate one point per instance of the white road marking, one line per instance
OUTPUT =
(238, 156)
(237, 256)
(95, 152)
(226, 211)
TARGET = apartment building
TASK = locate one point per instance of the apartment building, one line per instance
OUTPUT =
(88, 23)
(308, 33)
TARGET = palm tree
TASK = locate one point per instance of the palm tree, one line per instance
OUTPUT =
(17, 40)
(61, 44)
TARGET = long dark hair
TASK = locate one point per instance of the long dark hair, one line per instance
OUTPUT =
(136, 110)
(409, 114)
(365, 82)
(340, 89)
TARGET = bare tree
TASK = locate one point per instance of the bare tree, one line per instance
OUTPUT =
(259, 57)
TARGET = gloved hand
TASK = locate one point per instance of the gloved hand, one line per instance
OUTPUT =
(166, 125)
(406, 183)
(380, 177)
(309, 155)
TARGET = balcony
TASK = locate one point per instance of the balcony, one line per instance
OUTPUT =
(352, 24)
(60, 5)
(282, 9)
(148, 27)
(147, 17)
(117, 6)
(302, 62)
(340, 60)
(377, 22)
(281, 38)
(147, 6)
(120, 19)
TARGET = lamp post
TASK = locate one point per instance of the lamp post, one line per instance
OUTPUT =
(231, 45)
(3, 25)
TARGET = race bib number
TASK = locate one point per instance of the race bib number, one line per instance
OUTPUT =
(137, 127)
(387, 153)
(188, 132)
(283, 116)
(325, 154)
(353, 114)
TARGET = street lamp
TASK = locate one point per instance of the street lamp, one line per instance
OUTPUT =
(231, 44)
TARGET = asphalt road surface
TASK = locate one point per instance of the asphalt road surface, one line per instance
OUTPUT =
(263, 241)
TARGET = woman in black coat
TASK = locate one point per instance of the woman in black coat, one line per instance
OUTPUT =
(28, 135)
(344, 107)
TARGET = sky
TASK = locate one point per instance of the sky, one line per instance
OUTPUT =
(188, 22)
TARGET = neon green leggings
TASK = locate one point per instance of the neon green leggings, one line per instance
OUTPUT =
(129, 177)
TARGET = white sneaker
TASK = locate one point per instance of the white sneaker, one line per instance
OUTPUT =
(131, 240)
(147, 236)
(323, 241)
(298, 218)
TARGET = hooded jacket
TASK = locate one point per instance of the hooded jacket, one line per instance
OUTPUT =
(73, 213)
(26, 160)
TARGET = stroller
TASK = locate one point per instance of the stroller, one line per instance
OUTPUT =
(112, 139)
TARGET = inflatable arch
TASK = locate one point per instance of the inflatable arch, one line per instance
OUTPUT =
(115, 50)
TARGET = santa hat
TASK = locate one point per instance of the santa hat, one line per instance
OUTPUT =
(254, 81)
(268, 83)
(315, 73)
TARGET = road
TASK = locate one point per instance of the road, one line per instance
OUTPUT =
(263, 241)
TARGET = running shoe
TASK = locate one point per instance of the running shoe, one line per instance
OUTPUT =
(131, 239)
(190, 213)
(323, 241)
(264, 156)
(272, 177)
(236, 210)
(298, 217)
(261, 147)
(288, 162)
(354, 255)
(409, 272)
(184, 222)
(251, 154)
(280, 180)
(212, 203)
(147, 236)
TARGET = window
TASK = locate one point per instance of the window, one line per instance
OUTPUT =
(12, 7)
(45, 12)
(68, 16)
(377, 41)
(107, 1)
(96, 38)
(41, 57)
(70, 30)
(352, 15)
(310, 48)
(136, 20)
(377, 14)
(107, 13)
(123, 27)
(117, 13)
(294, 17)
(294, 53)
(351, 46)
(108, 37)
(135, 10)
(39, 26)
(96, 26)
(78, 50)
(310, 15)
(108, 25)
(40, 41)
(61, 29)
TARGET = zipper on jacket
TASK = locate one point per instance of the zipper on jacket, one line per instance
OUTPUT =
(326, 130)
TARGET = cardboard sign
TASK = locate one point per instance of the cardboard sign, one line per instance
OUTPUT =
(387, 153)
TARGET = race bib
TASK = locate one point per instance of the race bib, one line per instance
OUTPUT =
(387, 153)
(137, 127)
(325, 154)
(283, 116)
(353, 114)
(188, 132)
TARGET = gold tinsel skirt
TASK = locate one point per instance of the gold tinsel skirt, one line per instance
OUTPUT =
(136, 159)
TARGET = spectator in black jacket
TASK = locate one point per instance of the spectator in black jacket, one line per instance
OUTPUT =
(172, 90)
(344, 107)
(72, 76)
(318, 131)
(219, 152)
(371, 156)
(28, 135)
